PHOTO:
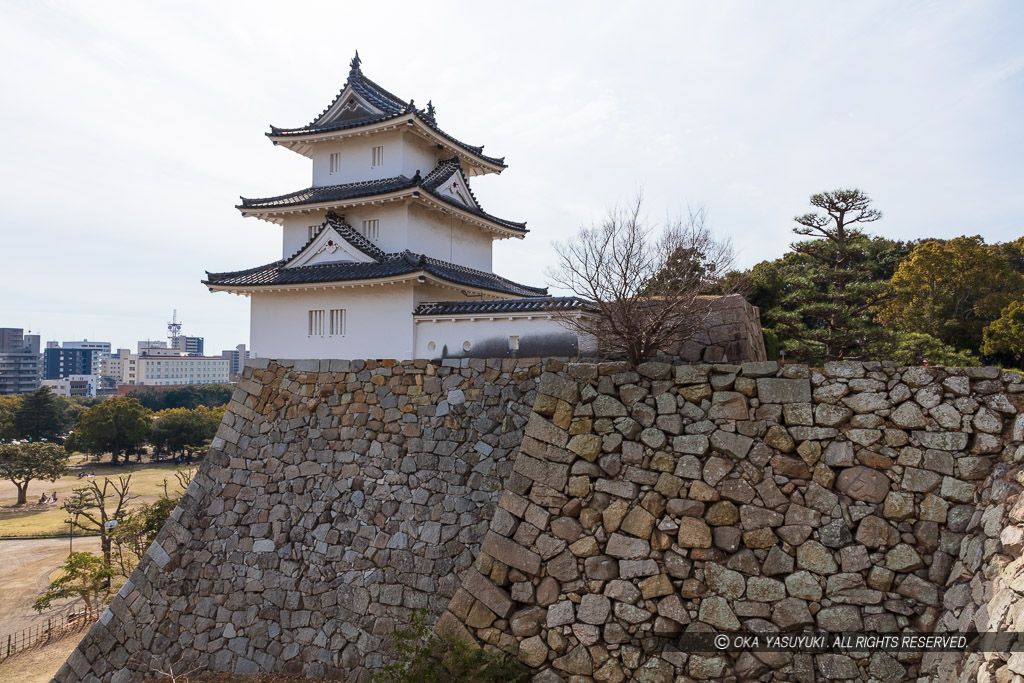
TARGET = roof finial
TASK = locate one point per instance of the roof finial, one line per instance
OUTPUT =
(354, 64)
(430, 108)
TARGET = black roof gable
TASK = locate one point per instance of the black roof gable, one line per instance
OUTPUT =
(368, 188)
(391, 105)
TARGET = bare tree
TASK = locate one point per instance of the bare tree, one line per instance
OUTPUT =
(87, 507)
(644, 281)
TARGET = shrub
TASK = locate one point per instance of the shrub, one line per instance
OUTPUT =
(424, 657)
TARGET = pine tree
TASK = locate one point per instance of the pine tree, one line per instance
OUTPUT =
(827, 307)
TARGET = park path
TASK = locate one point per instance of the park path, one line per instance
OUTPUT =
(25, 568)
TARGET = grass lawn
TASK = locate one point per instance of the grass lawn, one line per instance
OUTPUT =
(45, 519)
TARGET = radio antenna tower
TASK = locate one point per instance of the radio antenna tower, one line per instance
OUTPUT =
(174, 330)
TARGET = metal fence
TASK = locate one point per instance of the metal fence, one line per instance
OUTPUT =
(42, 633)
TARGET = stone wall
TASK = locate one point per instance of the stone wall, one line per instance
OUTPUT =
(730, 332)
(668, 499)
(336, 497)
(582, 516)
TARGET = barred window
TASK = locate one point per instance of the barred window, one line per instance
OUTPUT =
(338, 322)
(316, 323)
(371, 229)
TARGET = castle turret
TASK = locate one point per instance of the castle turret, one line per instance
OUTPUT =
(388, 225)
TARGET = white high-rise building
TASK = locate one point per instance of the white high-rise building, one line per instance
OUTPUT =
(388, 254)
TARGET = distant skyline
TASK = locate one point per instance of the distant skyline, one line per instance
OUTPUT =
(132, 128)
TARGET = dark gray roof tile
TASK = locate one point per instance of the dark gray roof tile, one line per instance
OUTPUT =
(500, 306)
(393, 265)
(392, 106)
(369, 188)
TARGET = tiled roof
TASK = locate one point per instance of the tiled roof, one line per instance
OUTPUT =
(350, 234)
(390, 104)
(368, 188)
(500, 306)
(332, 193)
(393, 265)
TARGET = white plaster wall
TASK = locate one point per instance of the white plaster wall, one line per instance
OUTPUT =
(419, 155)
(449, 239)
(295, 232)
(491, 337)
(403, 155)
(392, 230)
(379, 323)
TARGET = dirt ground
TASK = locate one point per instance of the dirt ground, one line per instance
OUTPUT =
(40, 664)
(25, 568)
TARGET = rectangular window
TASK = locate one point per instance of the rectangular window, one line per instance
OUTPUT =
(371, 229)
(312, 230)
(336, 162)
(316, 323)
(338, 322)
(378, 156)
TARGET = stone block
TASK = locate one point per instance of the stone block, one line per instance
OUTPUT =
(511, 553)
(484, 590)
(778, 390)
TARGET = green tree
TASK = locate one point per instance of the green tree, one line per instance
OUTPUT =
(423, 657)
(82, 575)
(114, 426)
(209, 395)
(40, 416)
(22, 463)
(181, 429)
(8, 406)
(137, 529)
(825, 310)
(951, 290)
(916, 348)
(1005, 335)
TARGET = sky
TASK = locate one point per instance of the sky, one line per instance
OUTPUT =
(133, 127)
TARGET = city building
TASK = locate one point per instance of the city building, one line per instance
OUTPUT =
(144, 346)
(62, 362)
(384, 252)
(21, 363)
(236, 357)
(122, 367)
(161, 366)
(74, 385)
(101, 351)
(193, 346)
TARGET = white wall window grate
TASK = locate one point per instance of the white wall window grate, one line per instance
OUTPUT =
(336, 162)
(311, 231)
(316, 323)
(338, 322)
(378, 156)
(371, 229)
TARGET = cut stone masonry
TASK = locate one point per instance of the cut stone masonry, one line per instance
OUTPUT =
(583, 515)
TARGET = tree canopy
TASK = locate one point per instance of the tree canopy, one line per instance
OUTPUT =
(114, 426)
(827, 290)
(951, 290)
(8, 405)
(82, 575)
(41, 416)
(209, 395)
(853, 295)
(25, 462)
(181, 429)
(1006, 333)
